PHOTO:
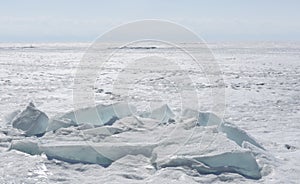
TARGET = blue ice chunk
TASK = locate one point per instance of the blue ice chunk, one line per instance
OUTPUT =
(204, 118)
(26, 146)
(55, 124)
(237, 135)
(31, 120)
(100, 114)
(162, 114)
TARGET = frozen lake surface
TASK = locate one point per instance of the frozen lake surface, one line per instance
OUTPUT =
(262, 97)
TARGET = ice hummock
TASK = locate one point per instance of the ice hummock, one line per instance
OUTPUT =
(200, 141)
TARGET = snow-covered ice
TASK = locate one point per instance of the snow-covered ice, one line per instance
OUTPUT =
(257, 141)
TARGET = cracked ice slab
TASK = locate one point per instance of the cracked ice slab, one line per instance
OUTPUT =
(84, 152)
(242, 163)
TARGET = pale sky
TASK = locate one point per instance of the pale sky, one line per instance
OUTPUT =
(213, 20)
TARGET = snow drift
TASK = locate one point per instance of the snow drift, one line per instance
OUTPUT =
(103, 135)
